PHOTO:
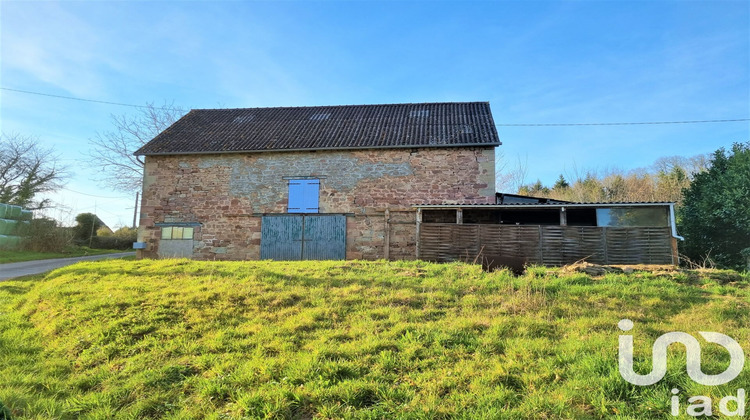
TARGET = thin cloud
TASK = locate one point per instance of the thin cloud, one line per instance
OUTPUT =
(50, 45)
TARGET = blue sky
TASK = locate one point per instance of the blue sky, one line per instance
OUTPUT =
(535, 62)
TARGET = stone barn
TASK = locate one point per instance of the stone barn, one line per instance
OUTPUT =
(327, 182)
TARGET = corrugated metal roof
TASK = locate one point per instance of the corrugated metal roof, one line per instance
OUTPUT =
(572, 204)
(506, 198)
(453, 124)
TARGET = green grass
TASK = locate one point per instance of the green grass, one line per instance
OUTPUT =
(178, 339)
(12, 256)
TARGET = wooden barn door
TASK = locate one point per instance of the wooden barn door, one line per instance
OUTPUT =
(303, 237)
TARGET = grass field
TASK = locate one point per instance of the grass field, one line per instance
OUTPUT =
(178, 339)
(12, 256)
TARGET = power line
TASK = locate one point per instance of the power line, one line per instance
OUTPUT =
(80, 99)
(97, 209)
(498, 125)
(623, 123)
(97, 196)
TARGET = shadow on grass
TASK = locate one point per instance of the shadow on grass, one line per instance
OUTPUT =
(23, 279)
(4, 412)
(673, 296)
(13, 290)
(577, 294)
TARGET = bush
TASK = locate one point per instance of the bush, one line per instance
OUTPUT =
(4, 412)
(111, 242)
(746, 255)
(126, 233)
(45, 235)
(715, 215)
(123, 238)
(86, 227)
(104, 231)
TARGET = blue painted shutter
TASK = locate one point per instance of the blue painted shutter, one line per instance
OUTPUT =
(303, 195)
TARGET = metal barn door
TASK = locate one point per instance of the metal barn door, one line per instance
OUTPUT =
(281, 238)
(303, 237)
(324, 237)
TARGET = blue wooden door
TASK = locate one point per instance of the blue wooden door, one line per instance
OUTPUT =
(303, 237)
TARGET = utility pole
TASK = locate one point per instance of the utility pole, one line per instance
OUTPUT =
(135, 210)
(93, 223)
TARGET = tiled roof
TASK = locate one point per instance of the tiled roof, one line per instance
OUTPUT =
(327, 127)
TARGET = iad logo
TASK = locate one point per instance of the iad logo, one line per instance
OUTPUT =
(693, 351)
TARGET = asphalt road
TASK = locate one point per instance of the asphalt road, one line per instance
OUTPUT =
(9, 271)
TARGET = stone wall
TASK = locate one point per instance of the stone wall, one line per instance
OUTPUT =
(225, 193)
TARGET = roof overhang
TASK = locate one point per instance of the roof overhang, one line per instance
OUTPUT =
(221, 152)
(517, 206)
(557, 206)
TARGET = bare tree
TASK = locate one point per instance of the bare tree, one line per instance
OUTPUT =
(510, 179)
(689, 165)
(112, 151)
(26, 170)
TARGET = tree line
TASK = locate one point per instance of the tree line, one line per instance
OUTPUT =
(665, 181)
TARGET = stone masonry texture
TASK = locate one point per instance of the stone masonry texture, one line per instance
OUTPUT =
(225, 193)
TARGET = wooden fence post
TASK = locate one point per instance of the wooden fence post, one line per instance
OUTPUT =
(605, 231)
(387, 236)
(419, 229)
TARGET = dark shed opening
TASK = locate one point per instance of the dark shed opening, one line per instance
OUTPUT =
(581, 217)
(531, 216)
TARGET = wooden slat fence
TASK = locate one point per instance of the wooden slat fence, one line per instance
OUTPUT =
(546, 245)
